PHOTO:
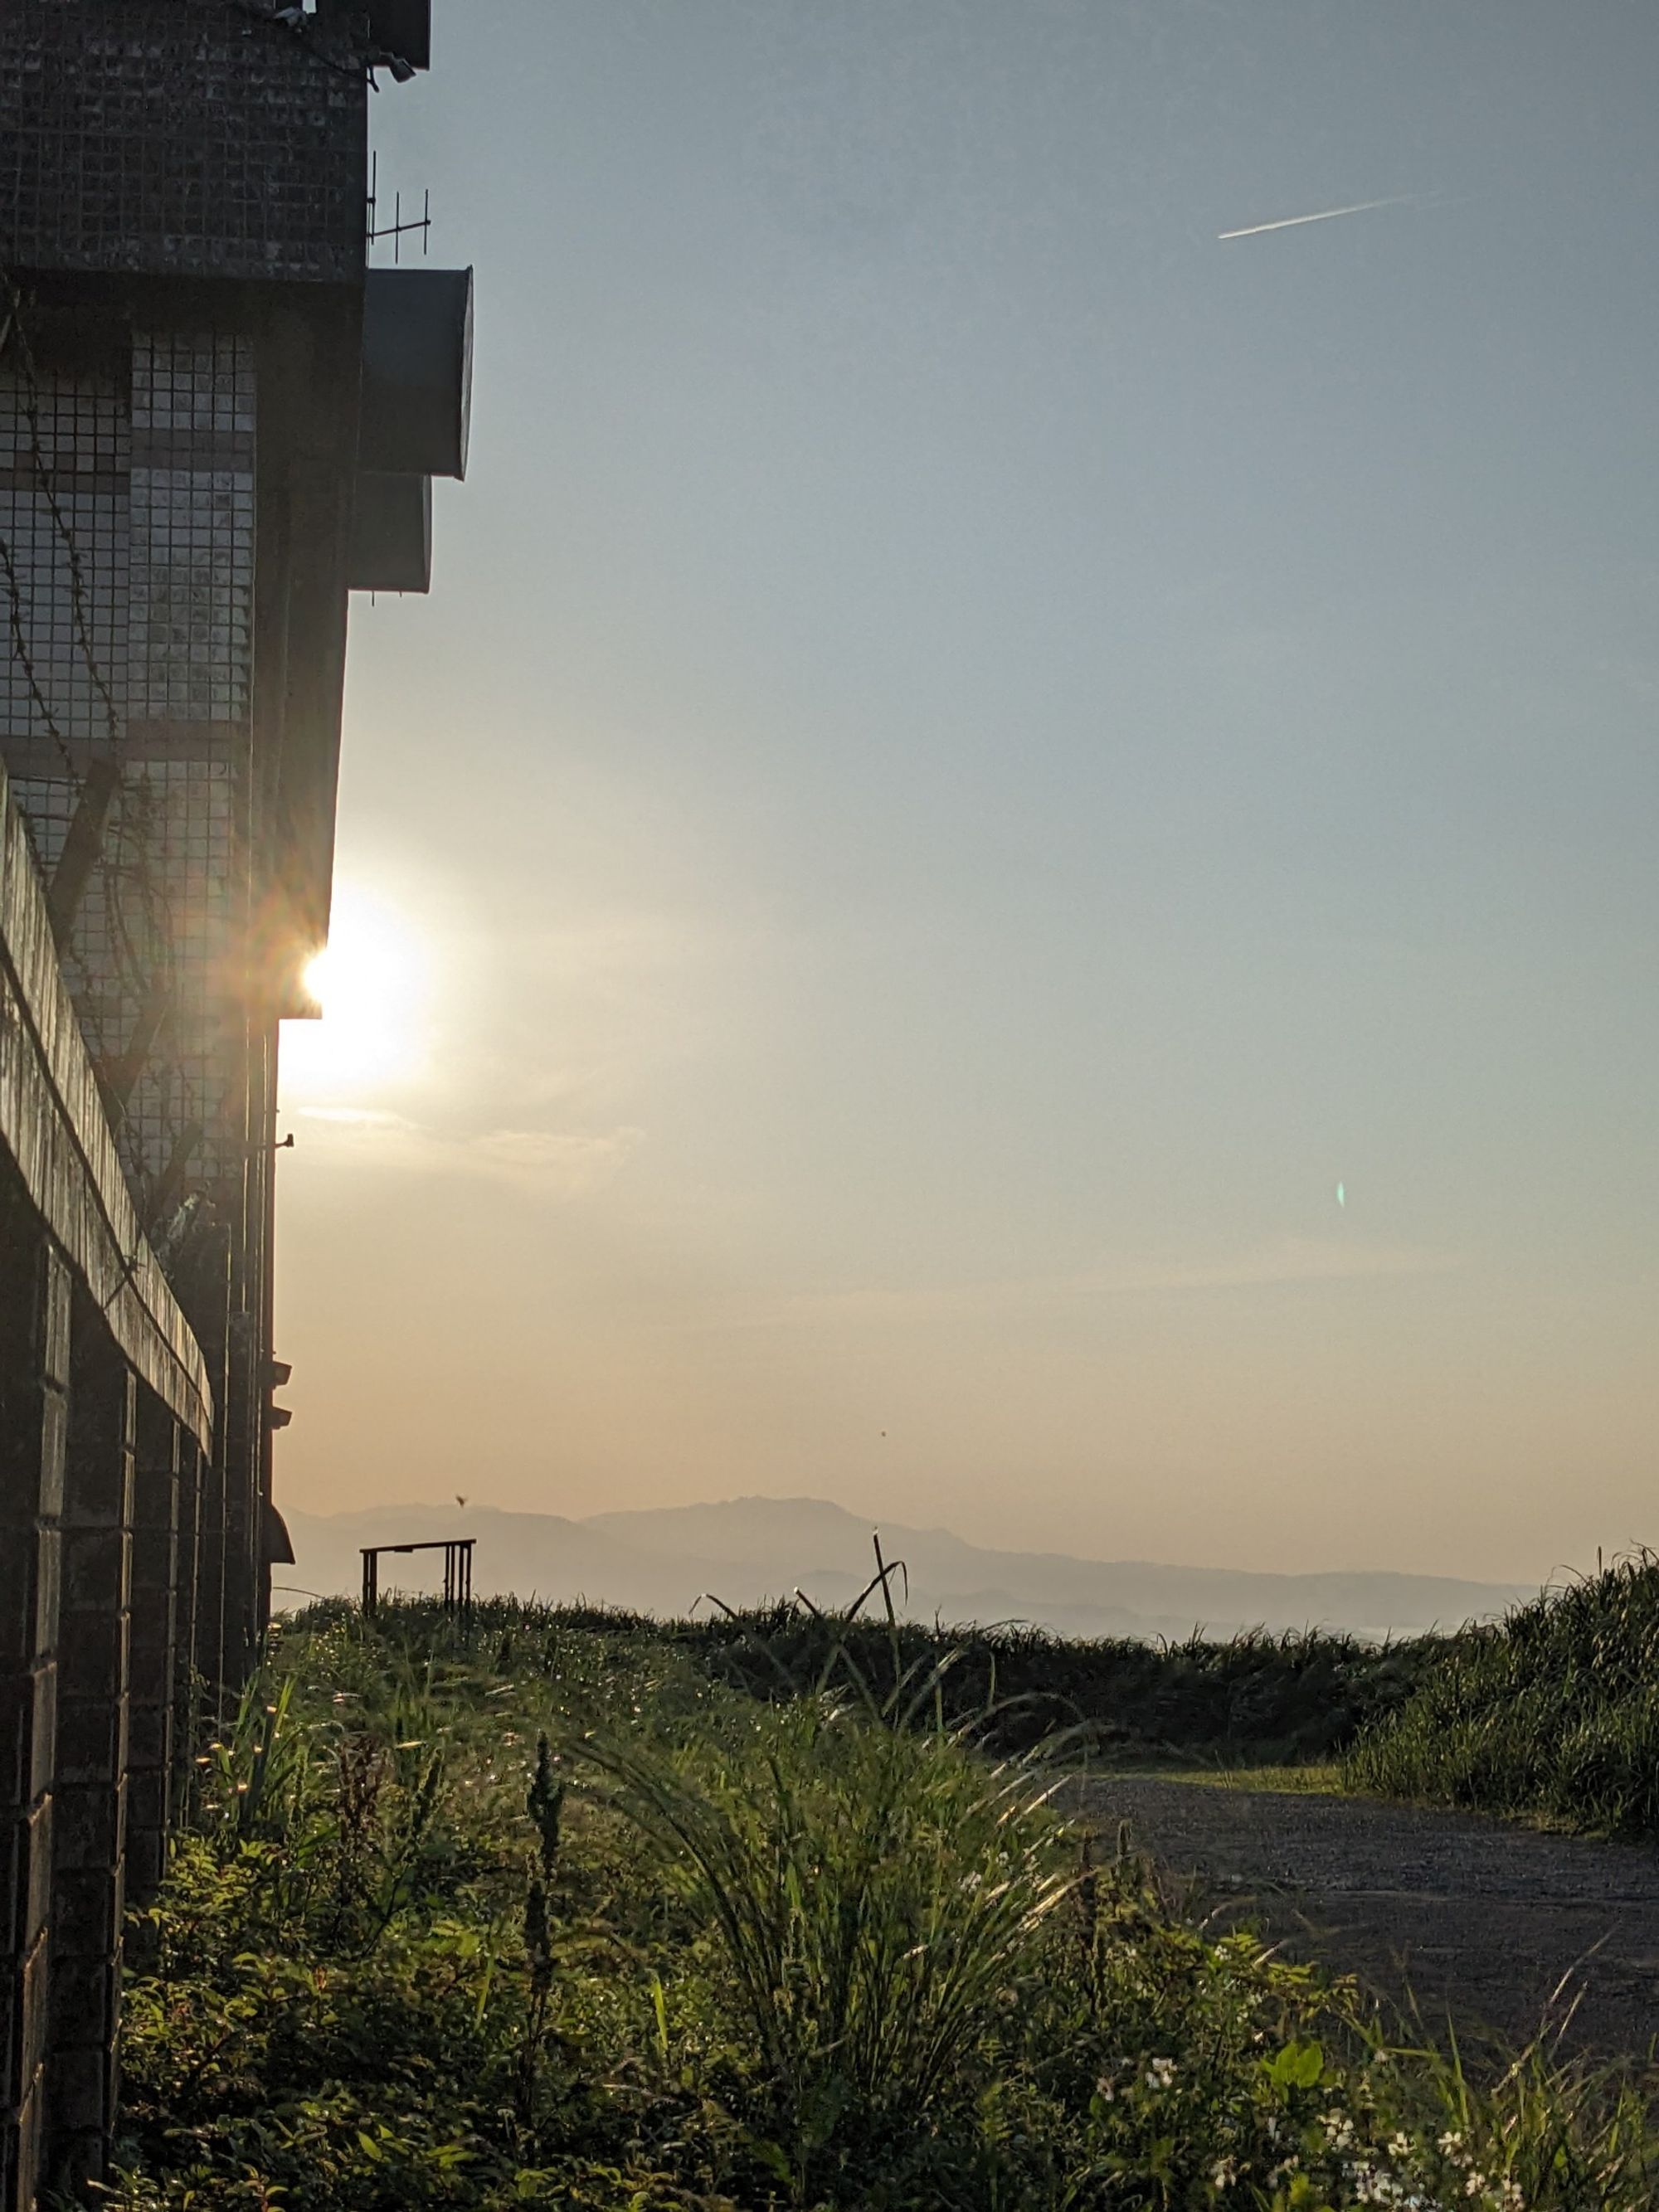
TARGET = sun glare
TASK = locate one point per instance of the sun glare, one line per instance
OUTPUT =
(371, 982)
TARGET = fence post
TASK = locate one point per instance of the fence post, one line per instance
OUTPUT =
(34, 1343)
(89, 1822)
(187, 1666)
(155, 1661)
(239, 1450)
(204, 1294)
(210, 1584)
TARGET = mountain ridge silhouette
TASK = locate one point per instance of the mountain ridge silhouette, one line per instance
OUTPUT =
(663, 1559)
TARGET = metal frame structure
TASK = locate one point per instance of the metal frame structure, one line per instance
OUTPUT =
(458, 1571)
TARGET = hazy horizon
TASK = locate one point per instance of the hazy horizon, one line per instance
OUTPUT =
(875, 1521)
(677, 1560)
(1010, 873)
(872, 1522)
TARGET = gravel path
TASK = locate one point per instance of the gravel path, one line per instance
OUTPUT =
(1480, 1920)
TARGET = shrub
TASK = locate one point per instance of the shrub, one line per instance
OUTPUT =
(1553, 1711)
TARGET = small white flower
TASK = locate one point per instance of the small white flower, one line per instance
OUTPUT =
(1451, 2142)
(1160, 2072)
(1399, 2145)
(1223, 2174)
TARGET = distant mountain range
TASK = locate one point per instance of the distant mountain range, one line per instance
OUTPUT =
(747, 1549)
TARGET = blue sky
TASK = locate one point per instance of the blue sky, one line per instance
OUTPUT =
(975, 750)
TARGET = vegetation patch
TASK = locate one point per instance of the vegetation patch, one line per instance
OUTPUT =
(1261, 1699)
(552, 1914)
(1552, 1713)
(1324, 1781)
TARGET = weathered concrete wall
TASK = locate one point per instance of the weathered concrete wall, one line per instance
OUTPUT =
(104, 1417)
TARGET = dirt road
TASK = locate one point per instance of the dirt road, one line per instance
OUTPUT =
(1481, 1920)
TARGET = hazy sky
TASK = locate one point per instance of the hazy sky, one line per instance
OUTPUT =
(975, 751)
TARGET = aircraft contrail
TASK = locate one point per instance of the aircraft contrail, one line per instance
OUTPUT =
(1325, 215)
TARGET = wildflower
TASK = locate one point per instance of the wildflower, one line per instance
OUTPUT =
(1160, 2073)
(1474, 2186)
(1399, 2145)
(1339, 2129)
(1451, 2142)
(1105, 2090)
(1383, 2189)
(1223, 2174)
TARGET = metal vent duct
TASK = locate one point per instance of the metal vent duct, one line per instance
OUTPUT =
(391, 534)
(417, 372)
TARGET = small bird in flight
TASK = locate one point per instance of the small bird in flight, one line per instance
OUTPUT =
(460, 1500)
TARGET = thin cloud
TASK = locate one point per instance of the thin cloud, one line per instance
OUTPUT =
(1285, 1263)
(556, 1162)
(352, 1117)
(576, 1162)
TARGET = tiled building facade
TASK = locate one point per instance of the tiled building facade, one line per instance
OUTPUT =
(183, 293)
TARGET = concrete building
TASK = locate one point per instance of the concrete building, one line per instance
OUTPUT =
(215, 421)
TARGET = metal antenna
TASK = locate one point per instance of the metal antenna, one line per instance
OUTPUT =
(397, 229)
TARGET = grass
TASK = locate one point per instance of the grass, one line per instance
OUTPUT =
(1312, 1781)
(1552, 1714)
(559, 1914)
(1258, 1699)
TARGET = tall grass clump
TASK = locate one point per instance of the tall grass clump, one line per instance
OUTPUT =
(877, 1900)
(1553, 1711)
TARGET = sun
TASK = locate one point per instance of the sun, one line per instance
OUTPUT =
(373, 983)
